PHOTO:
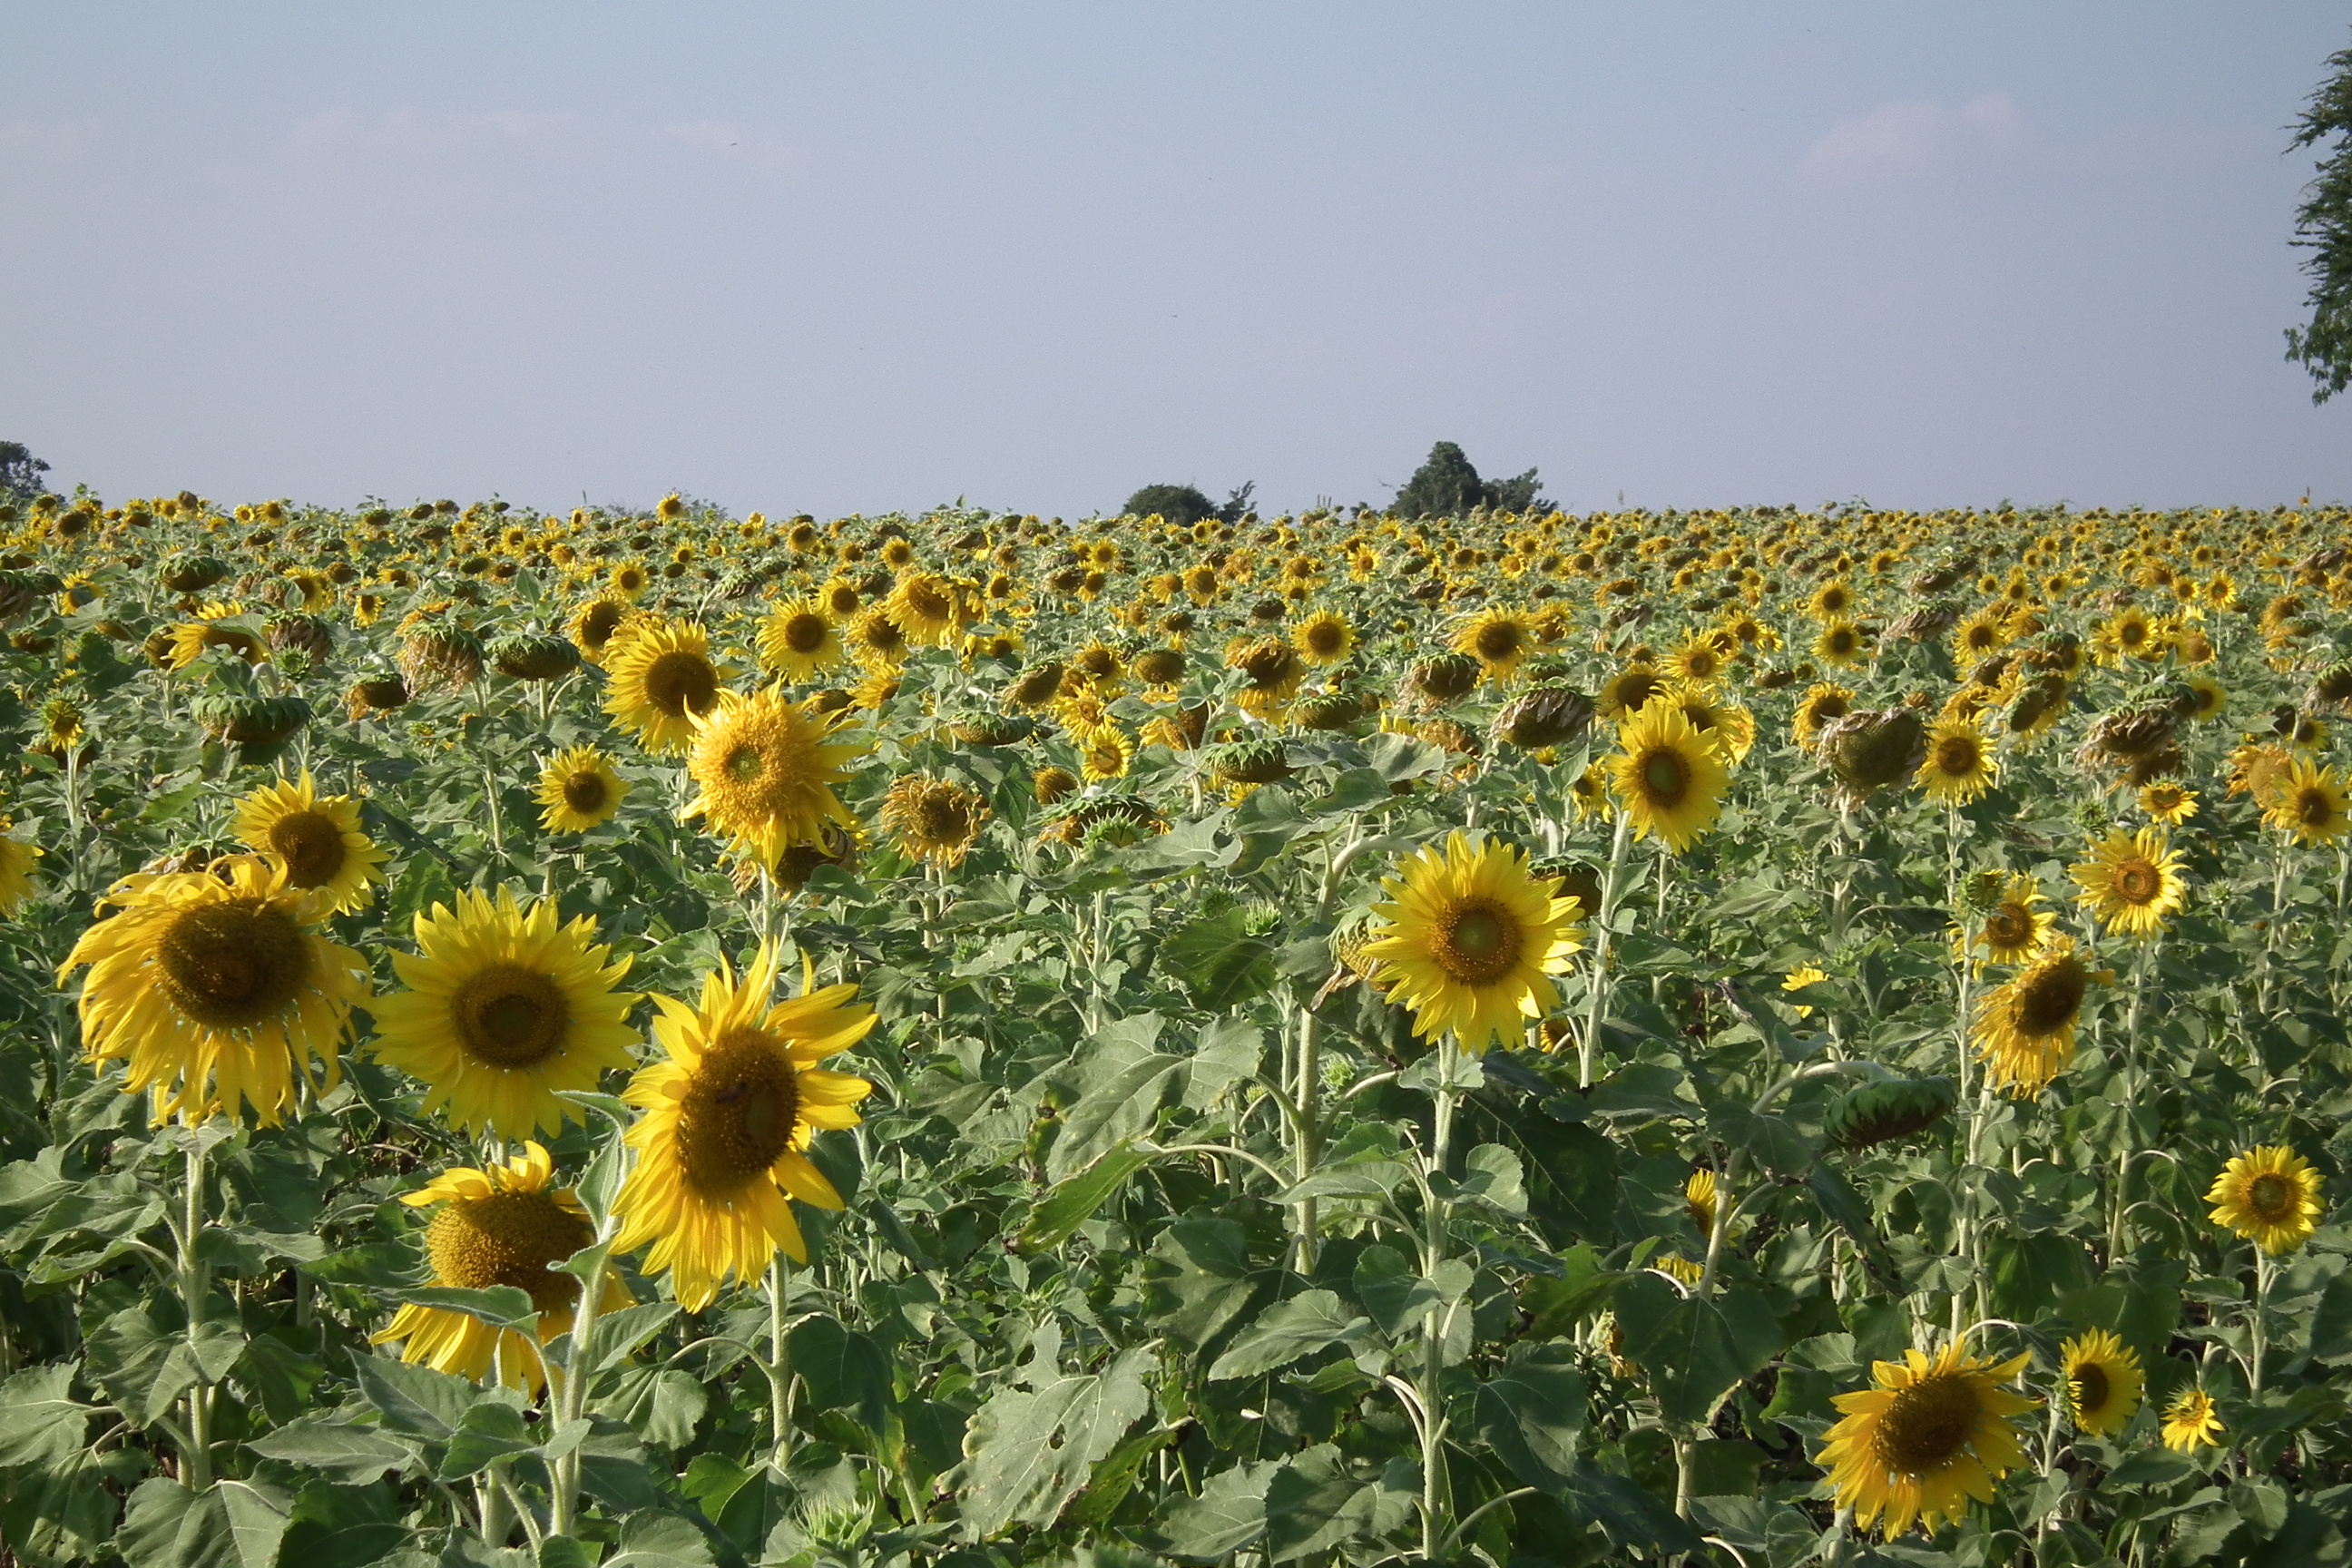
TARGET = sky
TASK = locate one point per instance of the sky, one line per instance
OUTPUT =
(859, 258)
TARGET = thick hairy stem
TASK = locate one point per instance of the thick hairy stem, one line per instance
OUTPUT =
(1597, 1009)
(780, 1284)
(1432, 1435)
(196, 1474)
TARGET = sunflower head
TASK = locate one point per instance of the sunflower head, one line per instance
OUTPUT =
(2269, 1196)
(1958, 766)
(319, 839)
(935, 819)
(1873, 749)
(2103, 1381)
(2191, 1421)
(579, 790)
(1666, 777)
(2025, 1029)
(1933, 1433)
(1469, 940)
(662, 679)
(2132, 882)
(765, 770)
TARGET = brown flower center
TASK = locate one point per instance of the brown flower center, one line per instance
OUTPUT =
(311, 846)
(738, 1113)
(233, 965)
(1666, 778)
(2090, 1386)
(1478, 941)
(507, 1239)
(2270, 1198)
(805, 632)
(585, 791)
(1927, 1425)
(679, 683)
(1957, 757)
(1324, 638)
(2010, 926)
(2049, 996)
(2138, 882)
(509, 1017)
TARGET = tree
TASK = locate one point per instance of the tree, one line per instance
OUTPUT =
(1185, 505)
(1446, 485)
(2323, 225)
(20, 471)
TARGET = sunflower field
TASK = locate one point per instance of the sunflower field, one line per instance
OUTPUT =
(1738, 1037)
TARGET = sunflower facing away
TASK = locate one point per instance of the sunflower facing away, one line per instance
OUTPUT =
(319, 839)
(2191, 1422)
(2024, 1031)
(2131, 883)
(1934, 1433)
(2103, 1382)
(501, 1225)
(215, 990)
(799, 640)
(1960, 765)
(727, 1117)
(2308, 801)
(2269, 1196)
(1665, 775)
(505, 1008)
(662, 679)
(766, 769)
(579, 790)
(1469, 940)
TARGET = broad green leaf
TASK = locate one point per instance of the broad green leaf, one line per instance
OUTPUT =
(842, 1369)
(1318, 1501)
(1032, 1449)
(143, 1367)
(357, 1454)
(1073, 1202)
(413, 1400)
(501, 1305)
(338, 1526)
(487, 1434)
(1228, 1515)
(233, 1525)
(1531, 1413)
(1694, 1352)
(1493, 1175)
(656, 1539)
(1113, 1478)
(1199, 1279)
(1228, 1051)
(40, 1421)
(1220, 963)
(663, 1403)
(1286, 1332)
(1397, 1296)
(1125, 1107)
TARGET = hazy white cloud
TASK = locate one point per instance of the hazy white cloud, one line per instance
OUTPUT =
(1898, 137)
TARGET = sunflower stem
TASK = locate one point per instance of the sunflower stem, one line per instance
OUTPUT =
(2264, 1270)
(778, 1368)
(1589, 1047)
(196, 1474)
(1433, 1434)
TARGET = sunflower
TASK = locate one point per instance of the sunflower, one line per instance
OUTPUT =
(661, 681)
(1822, 702)
(1469, 939)
(727, 1118)
(2191, 1422)
(579, 790)
(935, 819)
(17, 859)
(1960, 765)
(1842, 643)
(2024, 1032)
(877, 639)
(1830, 601)
(799, 641)
(2168, 801)
(1629, 691)
(1273, 672)
(2016, 927)
(2132, 882)
(1979, 636)
(2259, 769)
(210, 630)
(212, 987)
(2269, 1196)
(1497, 639)
(505, 1009)
(766, 769)
(1801, 978)
(2308, 801)
(501, 1225)
(1589, 792)
(1700, 660)
(2206, 697)
(1700, 1194)
(1934, 1433)
(320, 840)
(2103, 1382)
(1104, 752)
(1666, 777)
(840, 598)
(593, 624)
(1324, 638)
(1053, 785)
(927, 608)
(1727, 726)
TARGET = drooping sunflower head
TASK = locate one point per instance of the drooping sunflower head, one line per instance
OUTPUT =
(2132, 882)
(765, 770)
(499, 1225)
(1934, 1432)
(1958, 766)
(580, 789)
(212, 987)
(505, 1010)
(1272, 671)
(2103, 1381)
(1666, 777)
(877, 639)
(937, 820)
(2025, 1030)
(2269, 1196)
(662, 678)
(800, 640)
(1469, 939)
(1700, 1194)
(319, 839)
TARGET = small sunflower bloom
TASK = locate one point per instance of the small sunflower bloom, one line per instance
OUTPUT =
(2269, 1196)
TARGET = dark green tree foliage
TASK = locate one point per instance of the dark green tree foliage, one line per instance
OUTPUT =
(1445, 485)
(1178, 503)
(2323, 225)
(20, 472)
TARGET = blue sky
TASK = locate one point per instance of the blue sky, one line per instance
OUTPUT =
(877, 257)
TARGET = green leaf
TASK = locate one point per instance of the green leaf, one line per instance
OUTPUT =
(336, 1526)
(415, 1400)
(1219, 962)
(1228, 1515)
(357, 1454)
(1494, 1176)
(1031, 1450)
(233, 1525)
(172, 805)
(1393, 1289)
(40, 1421)
(1286, 1331)
(485, 1435)
(617, 1335)
(1072, 1203)
(843, 1370)
(1845, 1209)
(1113, 1478)
(501, 1305)
(143, 1367)
(1694, 1350)
(1628, 1516)
(1126, 1105)
(1228, 1051)
(654, 1539)
(1316, 1501)
(1199, 1279)
(663, 1403)
(1531, 1413)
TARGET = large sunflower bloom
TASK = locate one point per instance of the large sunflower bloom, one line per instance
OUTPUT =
(17, 859)
(728, 1115)
(2103, 1382)
(2025, 1030)
(1934, 1433)
(1469, 940)
(766, 769)
(579, 790)
(499, 1225)
(1666, 776)
(935, 819)
(2308, 801)
(1324, 638)
(1823, 700)
(319, 839)
(2269, 1196)
(662, 679)
(1498, 639)
(800, 640)
(2131, 883)
(1960, 765)
(505, 1009)
(927, 608)
(215, 990)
